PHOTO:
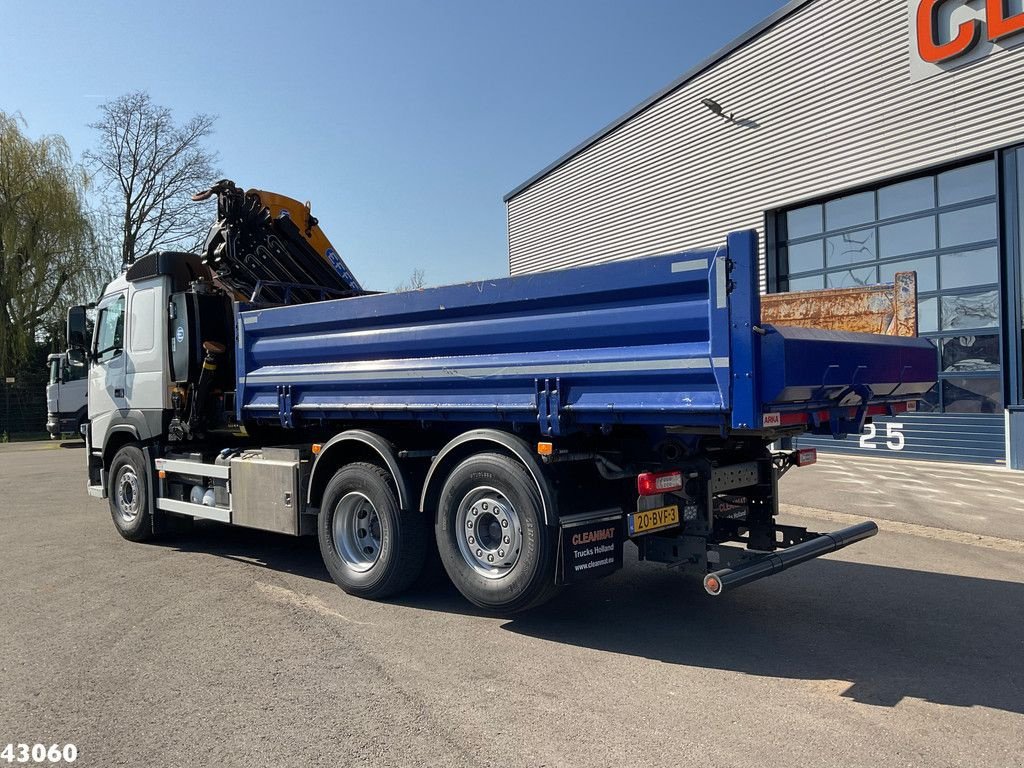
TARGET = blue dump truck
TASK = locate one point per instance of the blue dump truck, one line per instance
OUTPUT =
(524, 429)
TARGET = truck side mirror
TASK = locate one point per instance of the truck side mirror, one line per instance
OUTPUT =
(76, 357)
(78, 335)
(77, 328)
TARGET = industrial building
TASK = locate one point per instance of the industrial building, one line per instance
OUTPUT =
(859, 139)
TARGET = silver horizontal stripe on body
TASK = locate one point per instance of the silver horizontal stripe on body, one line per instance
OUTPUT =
(403, 407)
(689, 266)
(722, 285)
(559, 369)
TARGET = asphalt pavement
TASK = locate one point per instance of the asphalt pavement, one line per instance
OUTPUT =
(230, 647)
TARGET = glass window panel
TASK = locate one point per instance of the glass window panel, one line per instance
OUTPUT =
(912, 236)
(850, 211)
(930, 402)
(968, 225)
(928, 315)
(966, 268)
(1020, 212)
(110, 336)
(807, 283)
(975, 394)
(74, 372)
(906, 197)
(804, 222)
(970, 354)
(979, 310)
(806, 257)
(970, 183)
(851, 248)
(851, 278)
(925, 268)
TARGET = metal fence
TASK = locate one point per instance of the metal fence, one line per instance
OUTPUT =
(23, 400)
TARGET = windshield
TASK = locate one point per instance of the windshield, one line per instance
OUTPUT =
(54, 371)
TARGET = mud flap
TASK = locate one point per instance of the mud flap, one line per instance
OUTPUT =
(590, 546)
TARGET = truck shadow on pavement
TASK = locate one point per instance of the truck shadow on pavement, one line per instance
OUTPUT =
(873, 634)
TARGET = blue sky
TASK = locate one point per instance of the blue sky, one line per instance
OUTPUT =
(403, 122)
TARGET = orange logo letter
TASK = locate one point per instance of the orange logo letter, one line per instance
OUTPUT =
(999, 24)
(929, 48)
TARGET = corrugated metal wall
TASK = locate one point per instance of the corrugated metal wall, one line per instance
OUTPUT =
(823, 102)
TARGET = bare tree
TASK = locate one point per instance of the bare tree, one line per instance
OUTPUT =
(148, 167)
(45, 237)
(415, 281)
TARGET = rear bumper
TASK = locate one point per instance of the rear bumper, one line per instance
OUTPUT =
(771, 563)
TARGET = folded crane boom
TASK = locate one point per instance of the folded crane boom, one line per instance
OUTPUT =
(269, 248)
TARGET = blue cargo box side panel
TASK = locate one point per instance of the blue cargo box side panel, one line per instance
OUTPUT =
(629, 342)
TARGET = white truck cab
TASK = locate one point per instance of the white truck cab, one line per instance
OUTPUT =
(65, 396)
(130, 357)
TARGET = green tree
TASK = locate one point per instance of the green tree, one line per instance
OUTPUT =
(45, 238)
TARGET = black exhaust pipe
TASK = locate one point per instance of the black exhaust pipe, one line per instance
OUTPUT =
(775, 562)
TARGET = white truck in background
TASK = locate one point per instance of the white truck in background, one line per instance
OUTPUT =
(66, 393)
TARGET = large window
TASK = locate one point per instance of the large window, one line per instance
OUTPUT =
(944, 227)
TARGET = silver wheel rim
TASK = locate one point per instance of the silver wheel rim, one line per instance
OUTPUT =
(356, 531)
(126, 494)
(488, 532)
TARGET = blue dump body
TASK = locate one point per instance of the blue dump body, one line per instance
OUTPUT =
(669, 341)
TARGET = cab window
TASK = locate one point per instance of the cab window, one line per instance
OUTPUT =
(73, 372)
(110, 330)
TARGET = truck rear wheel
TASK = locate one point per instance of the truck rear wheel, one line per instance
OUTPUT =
(371, 547)
(128, 494)
(491, 535)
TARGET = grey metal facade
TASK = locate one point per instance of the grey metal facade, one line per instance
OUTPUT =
(830, 100)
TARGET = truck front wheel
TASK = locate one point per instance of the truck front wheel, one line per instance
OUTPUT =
(128, 494)
(491, 535)
(371, 547)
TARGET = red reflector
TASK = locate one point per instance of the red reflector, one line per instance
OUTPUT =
(650, 483)
(806, 456)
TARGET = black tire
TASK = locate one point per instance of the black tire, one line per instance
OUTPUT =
(501, 491)
(128, 494)
(389, 556)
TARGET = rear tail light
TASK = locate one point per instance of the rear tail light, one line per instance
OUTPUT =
(806, 456)
(650, 483)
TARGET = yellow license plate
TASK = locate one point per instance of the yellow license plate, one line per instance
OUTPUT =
(653, 520)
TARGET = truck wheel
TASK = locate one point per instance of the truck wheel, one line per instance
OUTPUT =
(491, 535)
(370, 546)
(128, 494)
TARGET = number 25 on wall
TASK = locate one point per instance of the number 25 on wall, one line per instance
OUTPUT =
(894, 439)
